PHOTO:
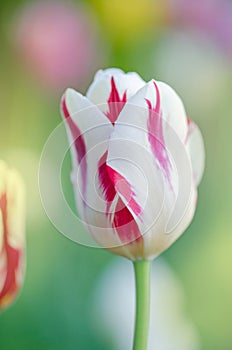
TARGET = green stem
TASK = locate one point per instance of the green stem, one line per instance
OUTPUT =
(142, 283)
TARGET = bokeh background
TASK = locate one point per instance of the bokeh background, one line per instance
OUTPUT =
(48, 46)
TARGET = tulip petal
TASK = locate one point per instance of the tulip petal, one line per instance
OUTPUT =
(168, 102)
(115, 103)
(155, 128)
(152, 175)
(173, 110)
(157, 119)
(196, 148)
(89, 132)
(123, 224)
(158, 239)
(113, 86)
(134, 172)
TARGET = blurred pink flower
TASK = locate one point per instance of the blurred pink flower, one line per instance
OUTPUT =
(57, 41)
(210, 16)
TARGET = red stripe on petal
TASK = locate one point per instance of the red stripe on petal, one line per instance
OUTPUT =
(124, 188)
(106, 183)
(125, 225)
(123, 221)
(115, 103)
(112, 182)
(13, 257)
(78, 142)
(155, 134)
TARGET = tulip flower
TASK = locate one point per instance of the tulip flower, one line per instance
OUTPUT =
(137, 161)
(111, 131)
(12, 241)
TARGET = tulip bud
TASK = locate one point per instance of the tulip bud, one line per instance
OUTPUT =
(137, 161)
(12, 230)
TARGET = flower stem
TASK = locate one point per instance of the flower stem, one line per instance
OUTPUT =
(142, 283)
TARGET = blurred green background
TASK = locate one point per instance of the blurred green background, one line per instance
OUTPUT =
(187, 44)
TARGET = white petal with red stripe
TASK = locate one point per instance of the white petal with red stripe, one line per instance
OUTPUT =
(149, 172)
(89, 131)
(170, 105)
(113, 85)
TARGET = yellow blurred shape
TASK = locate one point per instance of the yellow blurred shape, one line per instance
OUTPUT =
(126, 20)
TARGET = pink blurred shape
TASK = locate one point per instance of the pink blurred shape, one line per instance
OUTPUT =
(57, 41)
(214, 17)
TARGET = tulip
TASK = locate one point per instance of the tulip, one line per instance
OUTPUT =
(137, 161)
(12, 241)
(111, 130)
